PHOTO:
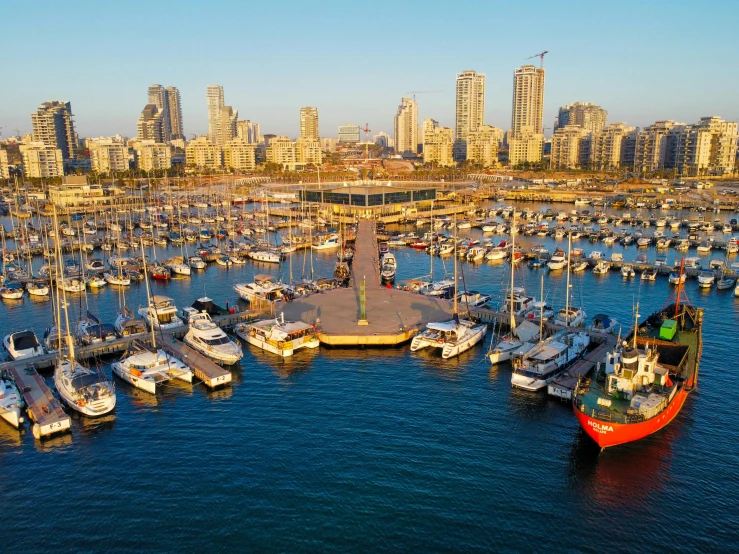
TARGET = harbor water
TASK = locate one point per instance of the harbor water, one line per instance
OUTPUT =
(359, 450)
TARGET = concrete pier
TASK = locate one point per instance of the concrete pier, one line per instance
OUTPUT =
(43, 409)
(393, 316)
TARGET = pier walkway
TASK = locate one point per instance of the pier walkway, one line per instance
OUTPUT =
(393, 316)
(563, 386)
(205, 369)
(44, 410)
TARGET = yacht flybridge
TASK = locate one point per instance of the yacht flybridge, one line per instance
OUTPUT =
(278, 336)
(161, 313)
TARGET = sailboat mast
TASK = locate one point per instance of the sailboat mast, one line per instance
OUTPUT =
(431, 251)
(541, 311)
(567, 292)
(148, 296)
(455, 262)
(513, 267)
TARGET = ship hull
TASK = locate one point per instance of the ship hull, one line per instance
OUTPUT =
(608, 433)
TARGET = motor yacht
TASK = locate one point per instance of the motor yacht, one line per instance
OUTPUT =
(22, 344)
(278, 336)
(209, 339)
(546, 361)
(161, 313)
(263, 288)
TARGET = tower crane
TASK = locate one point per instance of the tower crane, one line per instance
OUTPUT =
(366, 130)
(414, 92)
(540, 55)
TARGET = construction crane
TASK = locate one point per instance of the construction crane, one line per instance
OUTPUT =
(540, 55)
(366, 130)
(414, 92)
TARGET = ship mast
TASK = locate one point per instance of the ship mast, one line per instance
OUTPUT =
(567, 292)
(513, 267)
(636, 323)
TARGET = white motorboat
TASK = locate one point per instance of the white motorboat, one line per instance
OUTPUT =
(263, 288)
(676, 277)
(127, 325)
(266, 256)
(453, 337)
(196, 262)
(603, 323)
(497, 253)
(725, 283)
(179, 268)
(473, 298)
(601, 268)
(10, 402)
(704, 247)
(278, 336)
(388, 267)
(548, 360)
(148, 368)
(706, 279)
(517, 302)
(628, 272)
(649, 274)
(161, 313)
(22, 344)
(578, 267)
(209, 339)
(557, 261)
(325, 242)
(236, 260)
(96, 282)
(96, 264)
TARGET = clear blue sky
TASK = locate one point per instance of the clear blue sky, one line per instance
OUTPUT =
(641, 60)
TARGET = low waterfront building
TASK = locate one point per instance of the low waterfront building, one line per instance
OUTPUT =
(202, 154)
(151, 156)
(438, 147)
(41, 161)
(239, 156)
(108, 155)
(75, 190)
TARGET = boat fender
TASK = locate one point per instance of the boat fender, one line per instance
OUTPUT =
(45, 409)
(81, 402)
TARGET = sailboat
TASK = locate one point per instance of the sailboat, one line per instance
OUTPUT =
(521, 337)
(148, 367)
(454, 336)
(569, 317)
(83, 389)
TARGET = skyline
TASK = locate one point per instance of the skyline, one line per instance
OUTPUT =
(636, 73)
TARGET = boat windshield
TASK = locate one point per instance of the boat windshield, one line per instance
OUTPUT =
(217, 341)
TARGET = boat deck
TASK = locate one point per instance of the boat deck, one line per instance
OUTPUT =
(563, 386)
(43, 409)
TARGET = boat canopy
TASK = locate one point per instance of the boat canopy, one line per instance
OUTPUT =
(526, 331)
(263, 279)
(207, 305)
(24, 340)
(550, 351)
(446, 326)
(161, 301)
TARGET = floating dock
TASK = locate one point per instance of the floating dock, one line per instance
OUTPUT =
(392, 316)
(43, 409)
(205, 369)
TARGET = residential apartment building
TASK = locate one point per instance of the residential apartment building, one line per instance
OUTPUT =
(281, 150)
(175, 113)
(469, 110)
(309, 123)
(382, 139)
(53, 125)
(590, 117)
(525, 149)
(569, 148)
(226, 127)
(438, 147)
(215, 100)
(527, 117)
(248, 131)
(41, 161)
(528, 101)
(706, 148)
(406, 128)
(151, 155)
(150, 125)
(607, 146)
(4, 167)
(239, 156)
(203, 154)
(108, 156)
(427, 126)
(349, 134)
(308, 151)
(158, 97)
(482, 145)
(651, 146)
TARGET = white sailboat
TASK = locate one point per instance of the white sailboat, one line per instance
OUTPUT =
(10, 402)
(148, 367)
(569, 316)
(454, 336)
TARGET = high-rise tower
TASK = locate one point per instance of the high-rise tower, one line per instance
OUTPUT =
(470, 109)
(53, 125)
(406, 128)
(175, 113)
(528, 101)
(214, 96)
(309, 123)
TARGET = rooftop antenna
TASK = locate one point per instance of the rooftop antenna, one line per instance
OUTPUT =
(540, 55)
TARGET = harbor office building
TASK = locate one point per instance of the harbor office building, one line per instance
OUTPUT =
(374, 200)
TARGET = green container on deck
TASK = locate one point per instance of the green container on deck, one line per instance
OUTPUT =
(668, 330)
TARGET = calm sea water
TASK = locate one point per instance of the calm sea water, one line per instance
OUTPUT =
(349, 450)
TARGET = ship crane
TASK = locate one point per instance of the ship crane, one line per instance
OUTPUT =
(366, 130)
(540, 55)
